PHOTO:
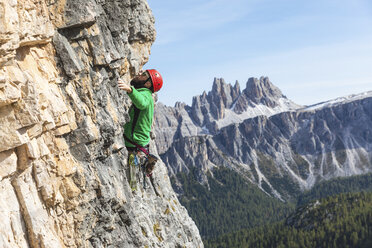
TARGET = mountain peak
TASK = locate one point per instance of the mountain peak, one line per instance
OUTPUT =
(218, 84)
(225, 103)
(262, 91)
(237, 86)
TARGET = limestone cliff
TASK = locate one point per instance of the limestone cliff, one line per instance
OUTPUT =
(63, 180)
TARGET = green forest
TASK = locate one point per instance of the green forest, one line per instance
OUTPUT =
(344, 220)
(231, 212)
(230, 204)
(336, 186)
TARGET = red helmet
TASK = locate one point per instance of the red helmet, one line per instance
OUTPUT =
(156, 79)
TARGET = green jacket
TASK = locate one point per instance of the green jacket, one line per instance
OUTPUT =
(141, 115)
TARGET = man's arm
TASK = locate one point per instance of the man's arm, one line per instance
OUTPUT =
(139, 100)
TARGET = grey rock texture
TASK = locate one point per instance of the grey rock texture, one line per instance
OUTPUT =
(224, 105)
(286, 153)
(262, 91)
(63, 171)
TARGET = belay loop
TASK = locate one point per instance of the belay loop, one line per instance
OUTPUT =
(142, 149)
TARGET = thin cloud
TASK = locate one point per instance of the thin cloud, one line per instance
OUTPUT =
(186, 22)
(295, 43)
(300, 73)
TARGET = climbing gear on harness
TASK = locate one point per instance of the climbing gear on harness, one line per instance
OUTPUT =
(151, 160)
(147, 167)
(149, 164)
(156, 79)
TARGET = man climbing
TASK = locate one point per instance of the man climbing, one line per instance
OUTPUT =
(137, 130)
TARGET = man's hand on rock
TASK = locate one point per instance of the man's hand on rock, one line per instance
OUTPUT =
(124, 86)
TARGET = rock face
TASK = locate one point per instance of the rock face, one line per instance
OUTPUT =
(222, 106)
(283, 153)
(63, 179)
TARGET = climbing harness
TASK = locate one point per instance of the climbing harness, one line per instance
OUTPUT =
(147, 167)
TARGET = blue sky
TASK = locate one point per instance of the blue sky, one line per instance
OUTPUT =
(312, 50)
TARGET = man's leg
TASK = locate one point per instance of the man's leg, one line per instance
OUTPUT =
(132, 164)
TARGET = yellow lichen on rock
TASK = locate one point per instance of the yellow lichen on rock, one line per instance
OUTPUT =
(157, 231)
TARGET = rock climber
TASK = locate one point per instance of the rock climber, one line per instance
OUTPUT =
(137, 130)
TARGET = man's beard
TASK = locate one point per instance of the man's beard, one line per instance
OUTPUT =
(138, 83)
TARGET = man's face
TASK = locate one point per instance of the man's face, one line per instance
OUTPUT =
(141, 77)
(141, 80)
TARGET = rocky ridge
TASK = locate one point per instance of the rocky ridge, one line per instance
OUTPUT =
(63, 174)
(283, 153)
(224, 105)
